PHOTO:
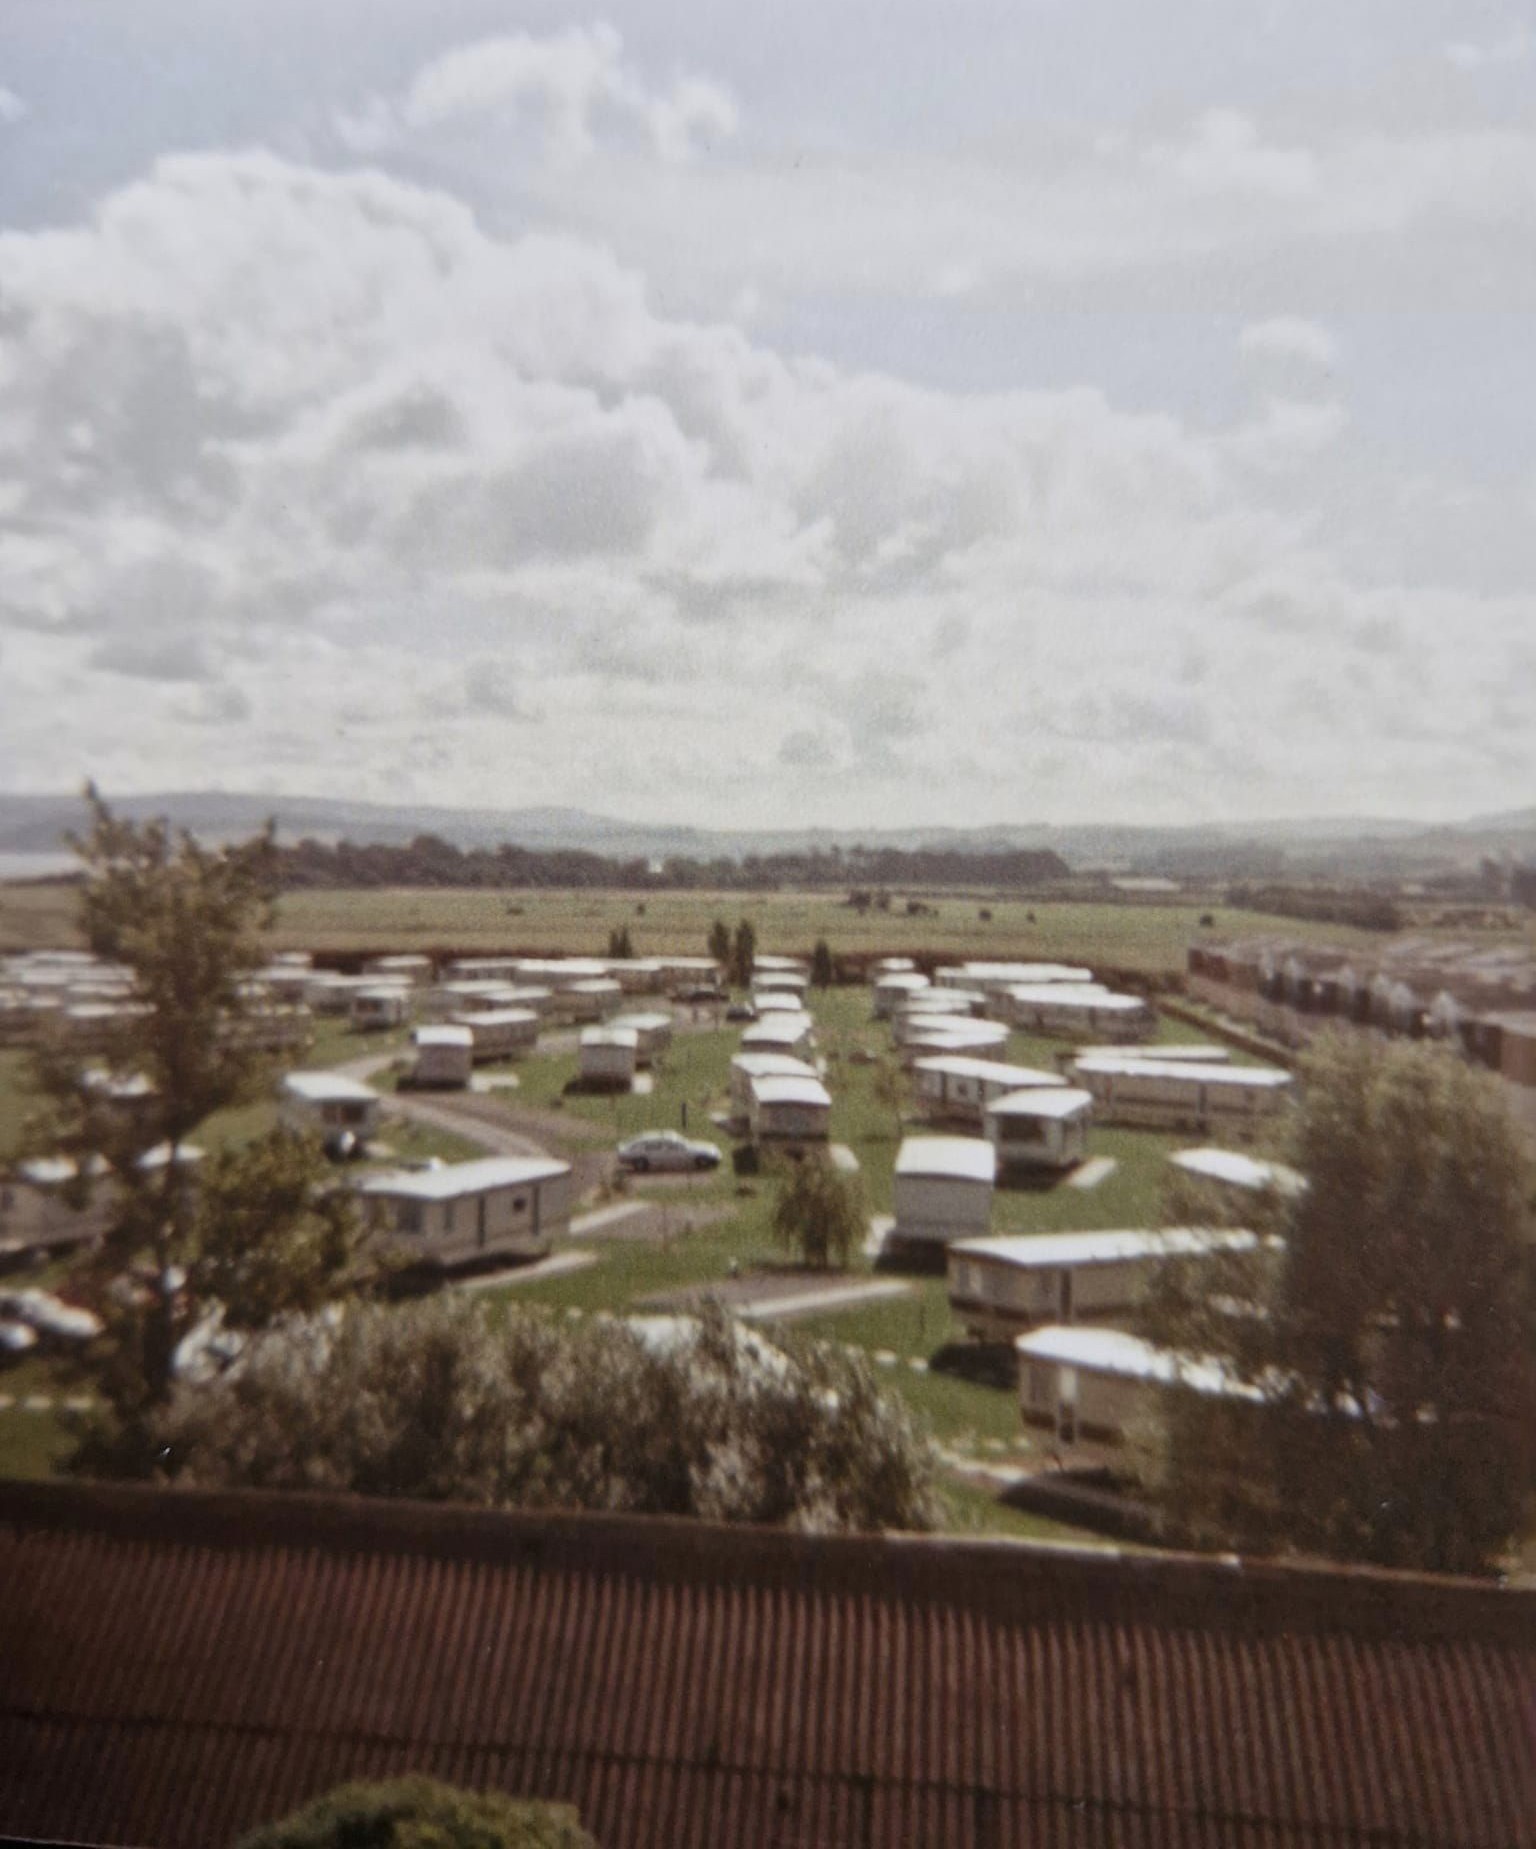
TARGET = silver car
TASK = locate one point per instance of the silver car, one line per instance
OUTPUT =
(666, 1149)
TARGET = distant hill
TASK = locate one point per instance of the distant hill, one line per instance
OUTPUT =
(1353, 847)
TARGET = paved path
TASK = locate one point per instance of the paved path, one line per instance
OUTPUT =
(817, 1302)
(1092, 1172)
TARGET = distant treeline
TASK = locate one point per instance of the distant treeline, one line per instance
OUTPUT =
(1341, 905)
(431, 861)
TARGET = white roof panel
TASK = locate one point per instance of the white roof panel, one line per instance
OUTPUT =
(1261, 1077)
(775, 1088)
(1129, 1357)
(1238, 1170)
(953, 1158)
(447, 1035)
(1041, 1251)
(1042, 1101)
(454, 1179)
(328, 1088)
(960, 1066)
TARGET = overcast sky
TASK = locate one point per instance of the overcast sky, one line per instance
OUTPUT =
(1010, 410)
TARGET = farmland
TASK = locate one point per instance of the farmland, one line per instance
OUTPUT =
(1142, 938)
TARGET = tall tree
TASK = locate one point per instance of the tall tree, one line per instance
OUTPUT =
(743, 954)
(823, 973)
(1395, 1356)
(720, 943)
(247, 1235)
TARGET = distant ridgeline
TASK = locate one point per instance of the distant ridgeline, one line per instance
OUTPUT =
(431, 861)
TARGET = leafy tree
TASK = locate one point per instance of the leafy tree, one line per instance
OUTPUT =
(743, 958)
(819, 1214)
(442, 1400)
(620, 943)
(720, 943)
(246, 1235)
(420, 1813)
(823, 973)
(1395, 1360)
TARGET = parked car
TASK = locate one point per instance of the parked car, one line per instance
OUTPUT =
(703, 992)
(50, 1316)
(666, 1149)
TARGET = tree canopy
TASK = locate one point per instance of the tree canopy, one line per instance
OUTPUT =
(244, 1236)
(1394, 1348)
(420, 1813)
(448, 1400)
(819, 1214)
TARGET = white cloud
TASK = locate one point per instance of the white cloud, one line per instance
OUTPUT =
(1513, 48)
(572, 88)
(345, 483)
(1289, 338)
(12, 108)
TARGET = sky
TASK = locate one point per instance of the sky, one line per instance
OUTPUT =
(835, 413)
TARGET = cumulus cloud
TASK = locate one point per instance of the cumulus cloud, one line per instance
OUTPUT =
(343, 482)
(1289, 338)
(1514, 47)
(571, 88)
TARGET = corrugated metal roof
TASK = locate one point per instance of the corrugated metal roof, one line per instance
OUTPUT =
(179, 1667)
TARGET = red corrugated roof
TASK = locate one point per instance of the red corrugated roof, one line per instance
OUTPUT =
(178, 1667)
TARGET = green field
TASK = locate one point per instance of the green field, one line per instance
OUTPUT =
(1150, 938)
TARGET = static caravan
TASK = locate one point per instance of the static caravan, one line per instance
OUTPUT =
(956, 1087)
(637, 975)
(1203, 1054)
(607, 1057)
(778, 1033)
(789, 1110)
(777, 965)
(948, 1034)
(385, 1005)
(994, 977)
(778, 1001)
(1042, 1127)
(326, 1104)
(943, 1189)
(745, 1067)
(591, 999)
(483, 969)
(445, 1057)
(779, 982)
(910, 1023)
(1076, 1010)
(891, 990)
(652, 1031)
(409, 967)
(474, 997)
(894, 966)
(966, 1003)
(495, 1207)
(500, 1033)
(328, 992)
(561, 973)
(1182, 1095)
(998, 1287)
(1230, 1169)
(1079, 1382)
